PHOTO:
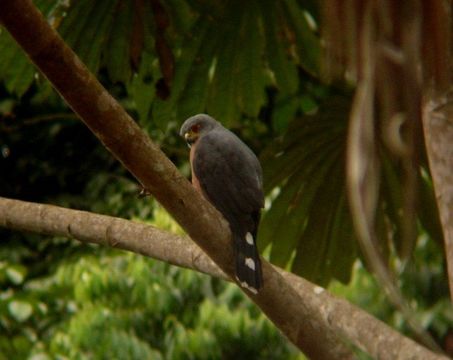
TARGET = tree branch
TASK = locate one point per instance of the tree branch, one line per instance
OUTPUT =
(438, 130)
(125, 140)
(133, 148)
(335, 315)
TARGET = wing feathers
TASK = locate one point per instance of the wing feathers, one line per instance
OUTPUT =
(230, 176)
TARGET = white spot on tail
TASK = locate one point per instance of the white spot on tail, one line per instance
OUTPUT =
(247, 286)
(249, 238)
(250, 263)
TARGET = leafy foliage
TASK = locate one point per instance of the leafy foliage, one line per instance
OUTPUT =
(221, 67)
(306, 167)
(422, 280)
(306, 164)
(118, 305)
(254, 66)
(168, 313)
(220, 51)
(61, 298)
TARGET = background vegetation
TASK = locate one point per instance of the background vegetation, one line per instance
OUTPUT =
(253, 65)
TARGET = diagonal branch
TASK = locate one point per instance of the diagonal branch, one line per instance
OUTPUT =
(316, 335)
(133, 148)
(334, 314)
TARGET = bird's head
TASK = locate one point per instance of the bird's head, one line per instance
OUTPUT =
(197, 126)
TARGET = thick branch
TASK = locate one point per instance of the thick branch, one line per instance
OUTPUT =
(130, 145)
(336, 315)
(438, 129)
(121, 135)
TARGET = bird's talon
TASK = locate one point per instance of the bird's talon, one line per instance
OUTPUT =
(144, 192)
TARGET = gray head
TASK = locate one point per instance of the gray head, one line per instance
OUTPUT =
(196, 126)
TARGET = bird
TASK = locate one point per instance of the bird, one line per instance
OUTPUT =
(228, 174)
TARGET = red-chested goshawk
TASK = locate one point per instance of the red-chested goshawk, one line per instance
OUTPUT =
(229, 176)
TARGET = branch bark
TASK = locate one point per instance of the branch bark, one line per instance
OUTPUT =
(334, 315)
(438, 130)
(299, 321)
(133, 148)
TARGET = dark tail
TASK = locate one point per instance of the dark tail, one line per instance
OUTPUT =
(248, 263)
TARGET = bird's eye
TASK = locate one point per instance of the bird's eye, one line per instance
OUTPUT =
(195, 128)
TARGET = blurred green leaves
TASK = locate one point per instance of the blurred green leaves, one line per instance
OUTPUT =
(423, 281)
(15, 273)
(131, 307)
(308, 224)
(238, 61)
(20, 310)
(253, 65)
(110, 303)
(224, 58)
(16, 72)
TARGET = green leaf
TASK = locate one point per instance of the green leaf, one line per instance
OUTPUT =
(20, 75)
(6, 106)
(280, 160)
(278, 48)
(8, 49)
(142, 88)
(163, 114)
(311, 260)
(16, 71)
(312, 178)
(20, 310)
(182, 88)
(100, 33)
(277, 213)
(285, 110)
(222, 93)
(392, 196)
(181, 15)
(73, 25)
(251, 79)
(95, 39)
(117, 51)
(16, 273)
(342, 250)
(187, 60)
(194, 95)
(308, 44)
(309, 217)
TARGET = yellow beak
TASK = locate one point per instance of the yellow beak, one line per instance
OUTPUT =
(190, 138)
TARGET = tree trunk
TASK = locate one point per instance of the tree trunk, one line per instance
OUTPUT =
(438, 129)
